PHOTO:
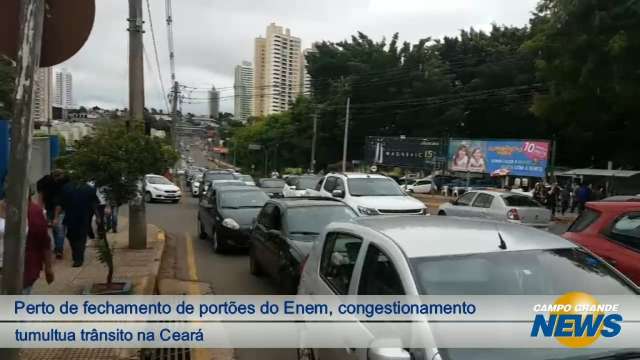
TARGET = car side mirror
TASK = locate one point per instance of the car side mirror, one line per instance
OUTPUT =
(389, 354)
(338, 194)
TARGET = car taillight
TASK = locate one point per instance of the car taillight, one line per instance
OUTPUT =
(513, 214)
(304, 262)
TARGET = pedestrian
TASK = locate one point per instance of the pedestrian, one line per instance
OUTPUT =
(583, 195)
(565, 197)
(601, 193)
(37, 254)
(539, 193)
(79, 202)
(100, 211)
(111, 213)
(552, 199)
(50, 190)
(574, 196)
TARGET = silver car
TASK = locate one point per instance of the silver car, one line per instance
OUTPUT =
(499, 205)
(420, 255)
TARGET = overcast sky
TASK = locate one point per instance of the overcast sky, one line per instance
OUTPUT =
(212, 36)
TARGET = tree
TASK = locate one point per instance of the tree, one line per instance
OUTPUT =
(588, 52)
(117, 159)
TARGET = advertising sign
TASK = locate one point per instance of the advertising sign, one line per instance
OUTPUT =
(402, 151)
(503, 157)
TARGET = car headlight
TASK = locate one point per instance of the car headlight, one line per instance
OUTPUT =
(231, 224)
(367, 211)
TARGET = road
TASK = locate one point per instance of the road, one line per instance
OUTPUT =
(227, 274)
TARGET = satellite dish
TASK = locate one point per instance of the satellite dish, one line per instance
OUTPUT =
(66, 28)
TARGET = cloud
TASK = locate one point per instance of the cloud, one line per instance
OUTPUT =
(212, 36)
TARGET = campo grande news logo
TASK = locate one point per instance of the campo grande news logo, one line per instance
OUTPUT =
(576, 320)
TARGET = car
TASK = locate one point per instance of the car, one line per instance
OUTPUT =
(212, 175)
(422, 255)
(301, 186)
(196, 185)
(499, 205)
(406, 184)
(284, 233)
(248, 180)
(611, 229)
(226, 215)
(273, 187)
(422, 186)
(370, 194)
(159, 188)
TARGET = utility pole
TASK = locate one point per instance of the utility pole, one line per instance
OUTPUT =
(174, 114)
(29, 44)
(312, 167)
(137, 214)
(346, 137)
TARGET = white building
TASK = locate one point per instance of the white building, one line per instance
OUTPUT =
(41, 106)
(277, 71)
(243, 91)
(64, 89)
(214, 102)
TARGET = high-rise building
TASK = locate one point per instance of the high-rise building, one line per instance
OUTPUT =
(214, 102)
(41, 106)
(243, 91)
(277, 71)
(64, 89)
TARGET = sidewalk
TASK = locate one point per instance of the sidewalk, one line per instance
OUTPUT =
(141, 267)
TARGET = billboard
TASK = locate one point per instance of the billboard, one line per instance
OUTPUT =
(403, 151)
(515, 157)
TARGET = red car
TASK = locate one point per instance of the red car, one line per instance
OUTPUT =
(611, 229)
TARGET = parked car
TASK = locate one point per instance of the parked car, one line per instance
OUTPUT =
(247, 179)
(422, 186)
(159, 188)
(226, 215)
(419, 255)
(370, 194)
(301, 186)
(499, 205)
(285, 232)
(611, 229)
(212, 175)
(273, 187)
(406, 184)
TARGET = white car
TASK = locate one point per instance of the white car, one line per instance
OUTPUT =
(371, 194)
(422, 186)
(196, 185)
(420, 255)
(499, 205)
(159, 188)
(301, 186)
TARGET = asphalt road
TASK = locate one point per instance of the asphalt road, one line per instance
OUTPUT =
(227, 273)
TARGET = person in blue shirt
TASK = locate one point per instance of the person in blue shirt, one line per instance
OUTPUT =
(583, 194)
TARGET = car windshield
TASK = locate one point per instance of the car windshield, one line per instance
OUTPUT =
(532, 272)
(242, 199)
(311, 220)
(221, 183)
(272, 183)
(158, 180)
(520, 201)
(306, 182)
(374, 187)
(218, 176)
(245, 178)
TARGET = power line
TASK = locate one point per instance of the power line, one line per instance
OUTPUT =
(155, 50)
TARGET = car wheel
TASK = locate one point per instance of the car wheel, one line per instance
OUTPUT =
(148, 198)
(201, 233)
(442, 213)
(218, 244)
(254, 266)
(306, 354)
